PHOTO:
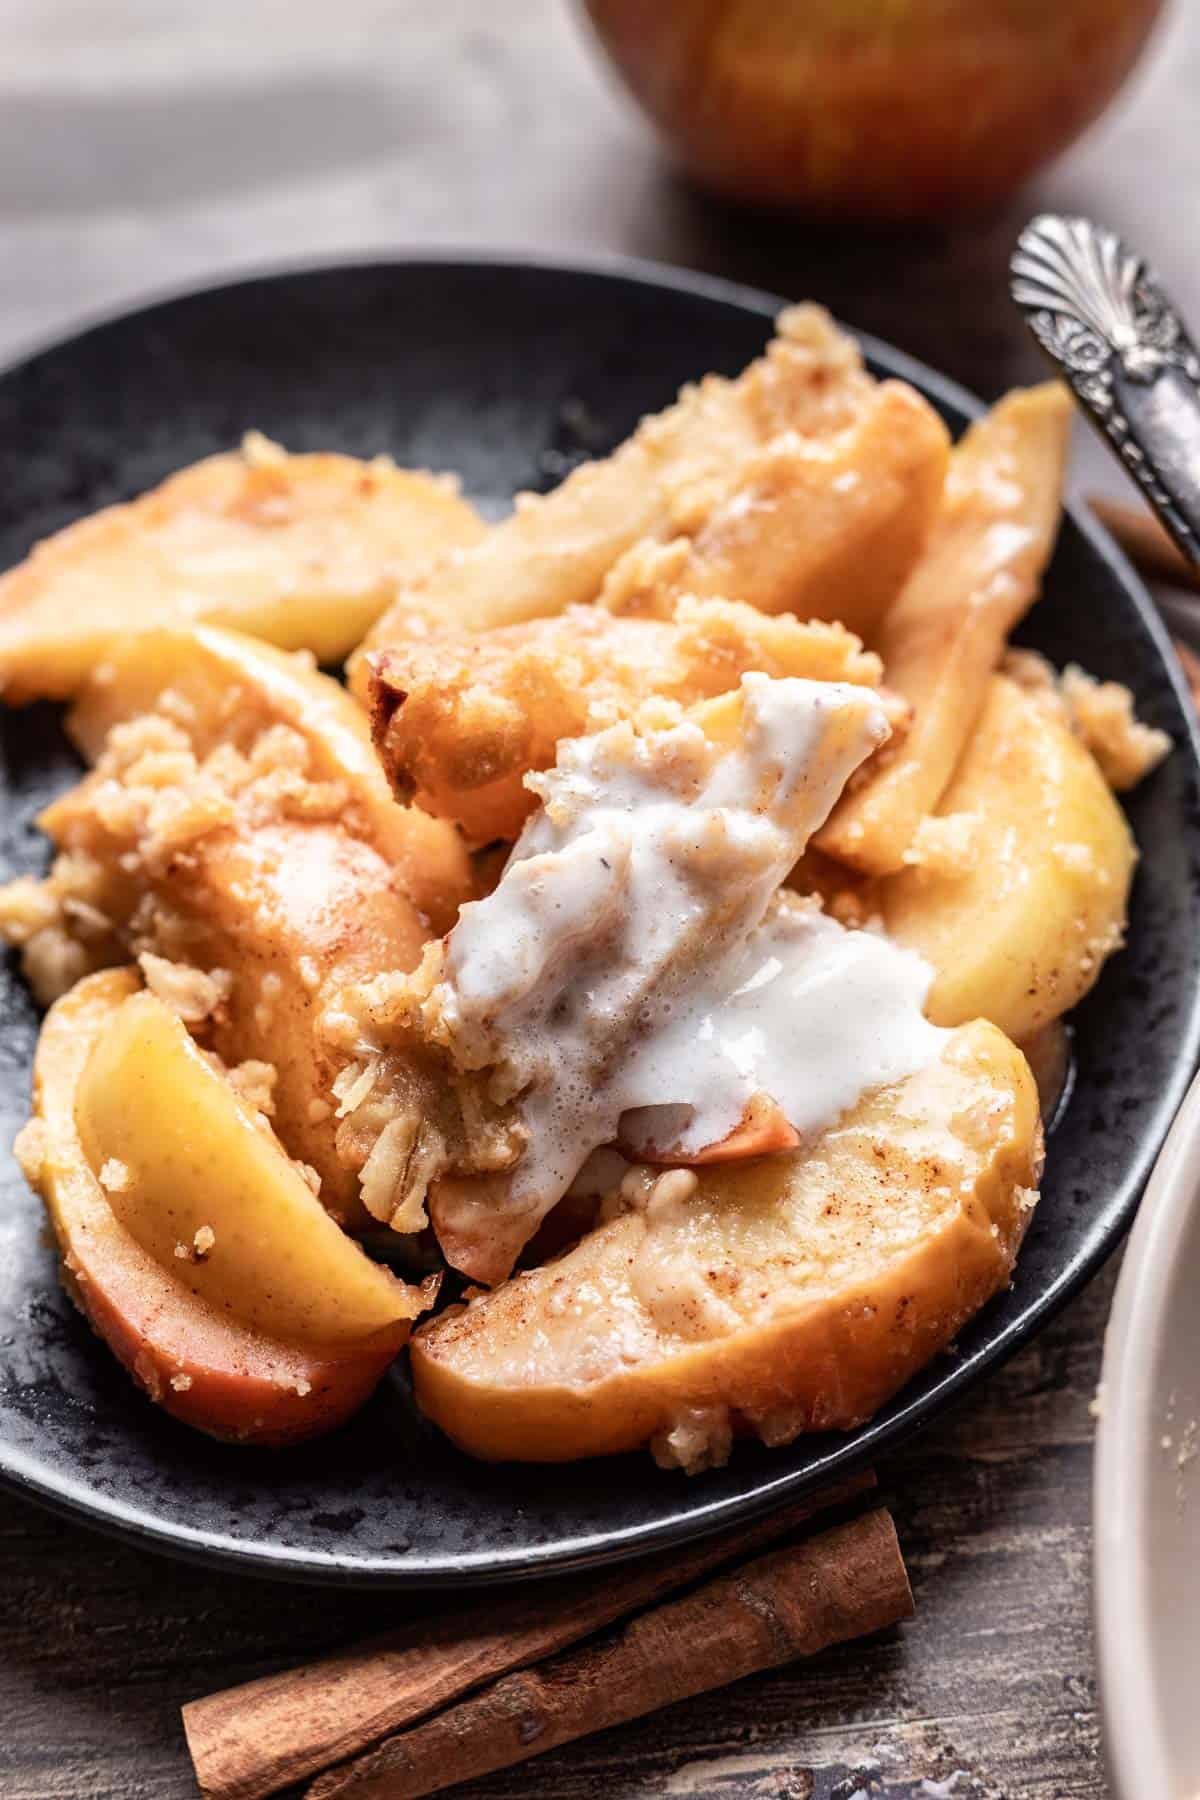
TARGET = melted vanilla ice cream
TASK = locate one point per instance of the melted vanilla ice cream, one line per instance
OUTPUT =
(637, 973)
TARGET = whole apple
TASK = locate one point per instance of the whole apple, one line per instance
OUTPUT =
(897, 109)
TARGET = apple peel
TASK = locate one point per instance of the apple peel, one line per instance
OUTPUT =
(762, 1130)
(190, 1355)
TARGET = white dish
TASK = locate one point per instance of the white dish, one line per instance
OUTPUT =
(1146, 1499)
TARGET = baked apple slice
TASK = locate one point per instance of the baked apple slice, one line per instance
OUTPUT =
(189, 1239)
(823, 528)
(554, 550)
(792, 1294)
(250, 935)
(461, 718)
(224, 688)
(302, 550)
(942, 640)
(1019, 892)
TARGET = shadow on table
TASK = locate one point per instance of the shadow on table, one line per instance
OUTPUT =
(939, 292)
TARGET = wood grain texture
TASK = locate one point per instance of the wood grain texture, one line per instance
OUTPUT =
(845, 1583)
(256, 1737)
(464, 124)
(101, 1644)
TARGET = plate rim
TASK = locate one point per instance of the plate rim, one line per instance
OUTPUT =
(1138, 1750)
(69, 1498)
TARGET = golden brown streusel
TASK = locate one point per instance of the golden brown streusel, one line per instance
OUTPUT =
(1103, 716)
(192, 994)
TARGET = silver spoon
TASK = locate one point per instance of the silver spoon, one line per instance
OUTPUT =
(1103, 319)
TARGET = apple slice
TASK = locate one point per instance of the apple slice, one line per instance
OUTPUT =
(226, 688)
(303, 550)
(789, 1294)
(196, 1166)
(1019, 930)
(555, 550)
(211, 1358)
(460, 718)
(291, 912)
(947, 631)
(825, 528)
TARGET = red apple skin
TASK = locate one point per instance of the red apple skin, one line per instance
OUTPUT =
(762, 1131)
(871, 109)
(195, 1361)
(212, 1373)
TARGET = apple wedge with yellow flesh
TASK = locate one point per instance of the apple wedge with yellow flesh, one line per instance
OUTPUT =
(947, 631)
(290, 913)
(825, 528)
(272, 1326)
(305, 551)
(227, 688)
(294, 913)
(555, 550)
(461, 718)
(199, 1174)
(1020, 925)
(796, 1293)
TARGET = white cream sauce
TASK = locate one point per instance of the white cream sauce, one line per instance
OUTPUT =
(817, 1016)
(636, 953)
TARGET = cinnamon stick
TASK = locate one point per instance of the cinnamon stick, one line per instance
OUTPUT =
(841, 1584)
(1191, 667)
(252, 1740)
(1148, 547)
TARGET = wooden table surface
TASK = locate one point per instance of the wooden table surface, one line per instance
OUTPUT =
(144, 145)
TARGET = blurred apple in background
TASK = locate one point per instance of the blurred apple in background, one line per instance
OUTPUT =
(885, 109)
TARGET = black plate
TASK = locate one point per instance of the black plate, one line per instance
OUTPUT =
(507, 373)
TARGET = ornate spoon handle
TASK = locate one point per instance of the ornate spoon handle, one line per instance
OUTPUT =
(1101, 315)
